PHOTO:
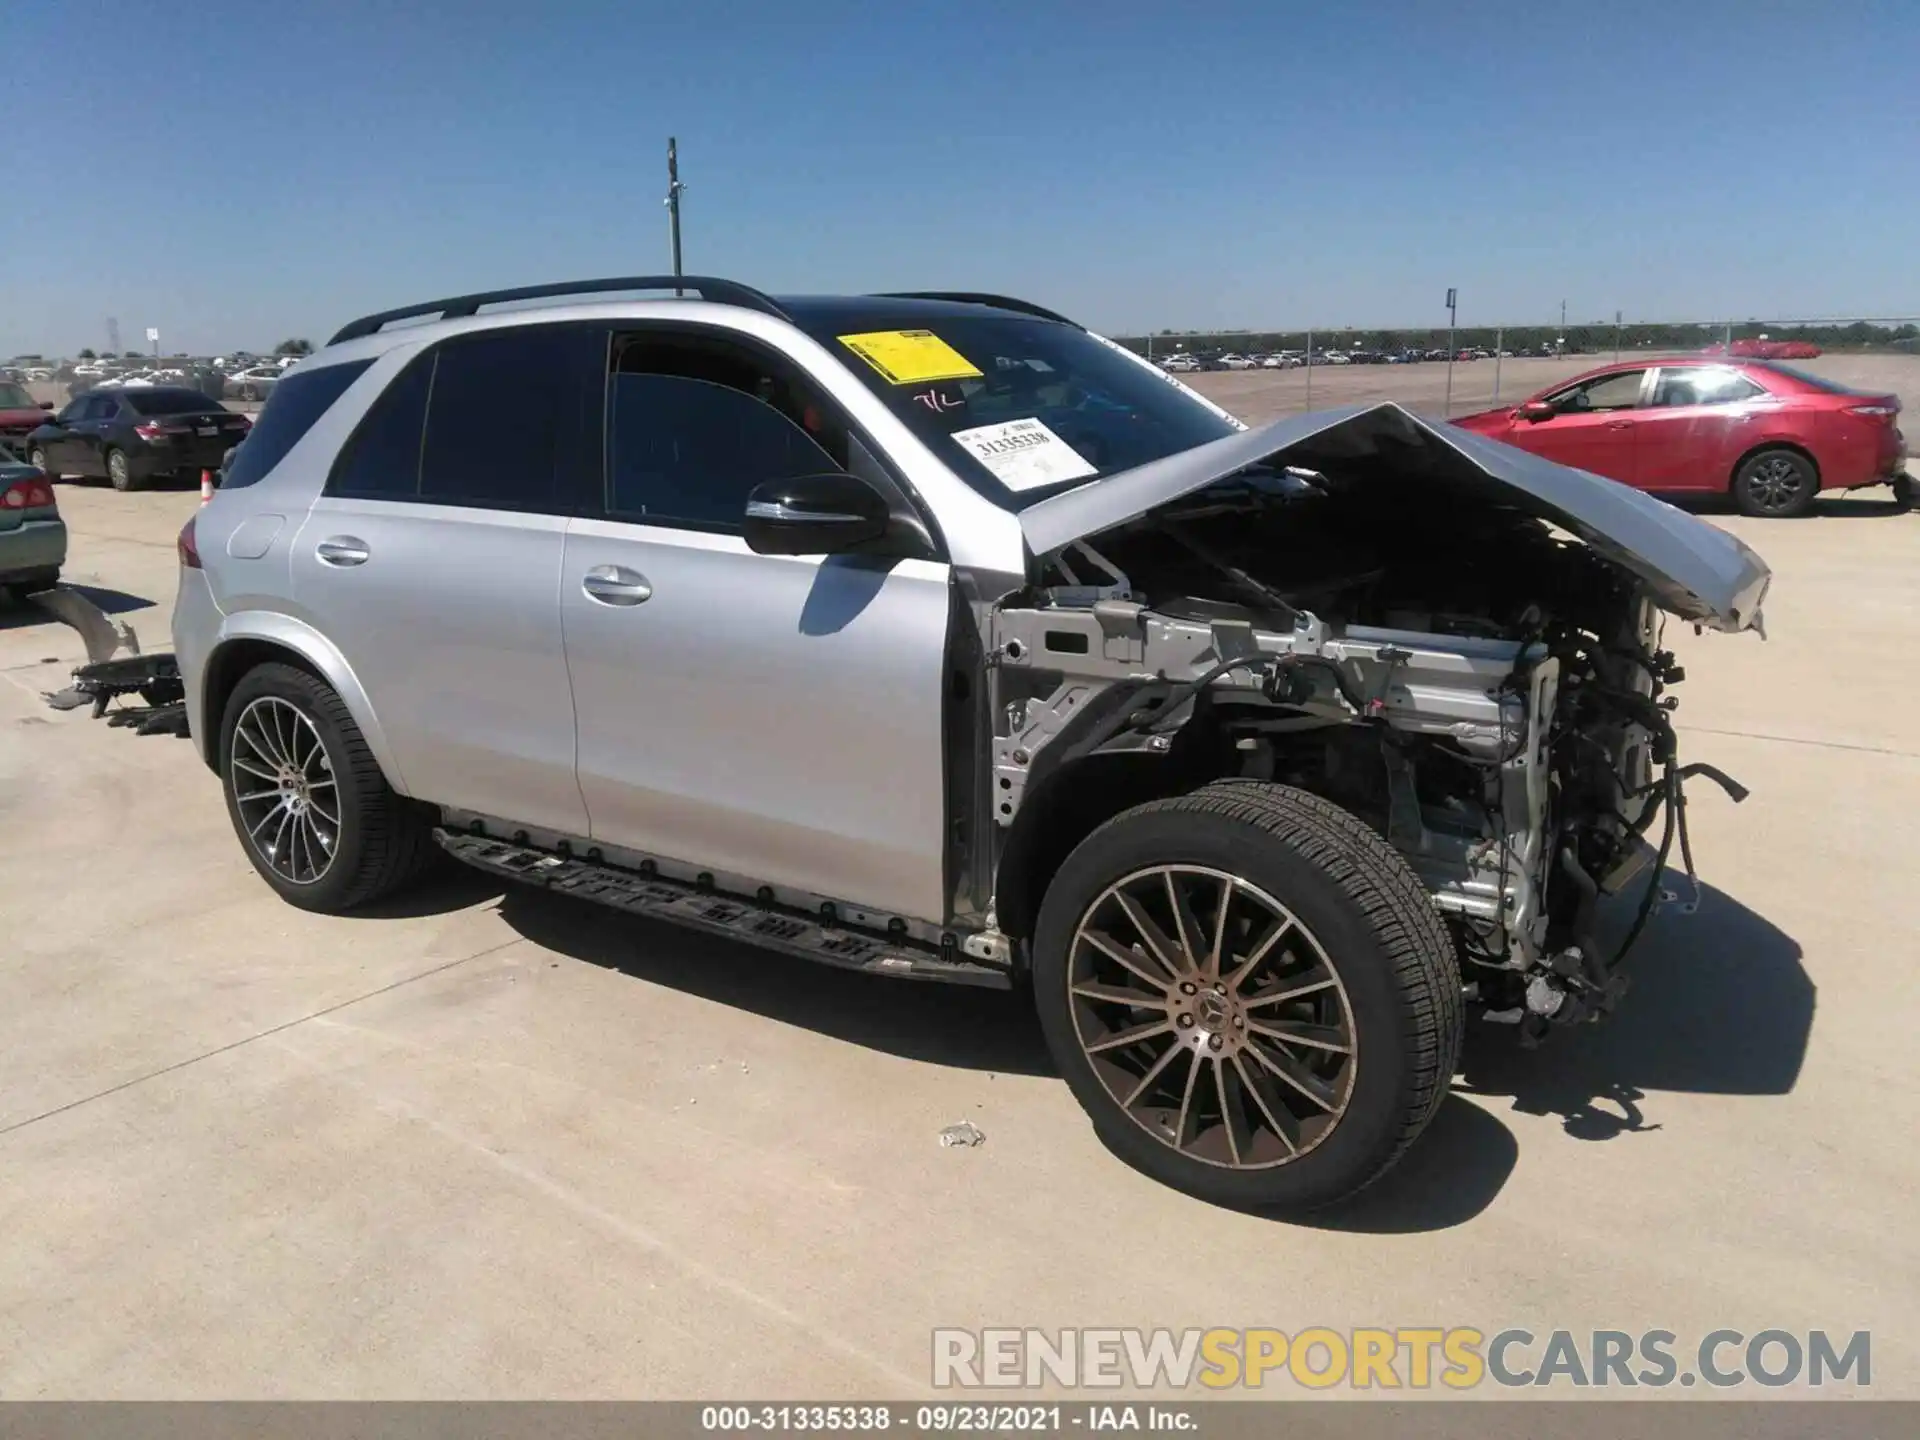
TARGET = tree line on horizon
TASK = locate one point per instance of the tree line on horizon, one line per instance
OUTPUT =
(1852, 335)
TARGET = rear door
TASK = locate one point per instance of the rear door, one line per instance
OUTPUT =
(433, 561)
(772, 718)
(1699, 420)
(90, 436)
(63, 450)
(1593, 426)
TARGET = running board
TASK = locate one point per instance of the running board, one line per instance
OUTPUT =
(767, 926)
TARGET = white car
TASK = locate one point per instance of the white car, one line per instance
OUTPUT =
(1179, 364)
(254, 384)
(1235, 362)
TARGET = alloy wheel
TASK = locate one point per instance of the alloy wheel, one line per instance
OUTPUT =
(1774, 482)
(284, 788)
(1212, 1016)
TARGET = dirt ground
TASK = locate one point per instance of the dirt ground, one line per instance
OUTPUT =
(486, 1143)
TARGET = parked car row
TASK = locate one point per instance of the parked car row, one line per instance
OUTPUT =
(1187, 362)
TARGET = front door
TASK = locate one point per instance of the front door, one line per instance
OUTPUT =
(772, 718)
(1592, 428)
(435, 559)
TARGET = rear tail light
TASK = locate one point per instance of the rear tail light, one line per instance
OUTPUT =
(188, 547)
(150, 430)
(27, 495)
(1877, 412)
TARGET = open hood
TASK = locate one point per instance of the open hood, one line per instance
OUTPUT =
(1695, 570)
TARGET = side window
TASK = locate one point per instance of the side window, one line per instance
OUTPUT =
(291, 410)
(490, 421)
(101, 407)
(1703, 385)
(382, 459)
(694, 423)
(502, 407)
(1604, 392)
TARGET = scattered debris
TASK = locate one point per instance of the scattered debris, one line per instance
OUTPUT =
(964, 1133)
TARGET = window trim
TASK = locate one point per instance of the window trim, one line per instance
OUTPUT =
(573, 463)
(764, 352)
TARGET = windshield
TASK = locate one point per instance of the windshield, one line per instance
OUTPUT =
(1022, 408)
(15, 397)
(170, 402)
(1807, 377)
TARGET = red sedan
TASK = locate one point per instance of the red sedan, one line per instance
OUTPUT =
(1769, 435)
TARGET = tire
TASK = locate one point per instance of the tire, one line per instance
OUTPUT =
(1379, 970)
(120, 471)
(1775, 484)
(1903, 493)
(379, 841)
(37, 458)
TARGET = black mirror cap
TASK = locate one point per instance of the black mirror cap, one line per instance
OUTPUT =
(46, 404)
(1535, 410)
(833, 514)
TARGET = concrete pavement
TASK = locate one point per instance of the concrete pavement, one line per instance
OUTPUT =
(486, 1144)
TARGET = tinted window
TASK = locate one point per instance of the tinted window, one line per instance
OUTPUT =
(15, 397)
(501, 408)
(296, 403)
(1707, 385)
(102, 407)
(695, 423)
(171, 402)
(382, 460)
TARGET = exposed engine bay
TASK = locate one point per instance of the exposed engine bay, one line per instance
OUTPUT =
(1486, 690)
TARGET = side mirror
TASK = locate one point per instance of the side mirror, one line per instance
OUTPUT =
(1535, 410)
(814, 515)
(46, 404)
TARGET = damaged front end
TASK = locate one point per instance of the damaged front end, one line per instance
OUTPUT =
(1457, 642)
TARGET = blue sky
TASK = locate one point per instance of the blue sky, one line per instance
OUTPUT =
(236, 174)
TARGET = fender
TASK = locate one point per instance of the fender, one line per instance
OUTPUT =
(277, 628)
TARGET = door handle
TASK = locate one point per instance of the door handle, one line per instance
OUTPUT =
(1619, 424)
(616, 585)
(342, 550)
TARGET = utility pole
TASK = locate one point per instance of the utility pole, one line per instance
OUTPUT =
(1560, 346)
(1616, 337)
(674, 187)
(1309, 367)
(1453, 297)
(1499, 345)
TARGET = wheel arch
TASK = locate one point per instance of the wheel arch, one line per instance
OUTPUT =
(1760, 447)
(248, 641)
(1068, 805)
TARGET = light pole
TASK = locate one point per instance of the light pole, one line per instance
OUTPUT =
(1616, 337)
(1309, 367)
(674, 187)
(1499, 346)
(1453, 296)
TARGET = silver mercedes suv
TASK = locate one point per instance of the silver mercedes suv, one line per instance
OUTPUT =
(936, 636)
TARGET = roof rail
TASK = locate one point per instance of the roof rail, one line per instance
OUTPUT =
(720, 292)
(968, 297)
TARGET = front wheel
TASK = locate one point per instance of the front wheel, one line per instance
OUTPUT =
(1776, 484)
(37, 457)
(307, 799)
(1250, 994)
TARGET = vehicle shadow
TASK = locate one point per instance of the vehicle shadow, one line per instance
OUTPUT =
(1874, 503)
(19, 613)
(1720, 1005)
(956, 1025)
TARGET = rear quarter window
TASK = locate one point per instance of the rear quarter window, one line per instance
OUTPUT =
(296, 404)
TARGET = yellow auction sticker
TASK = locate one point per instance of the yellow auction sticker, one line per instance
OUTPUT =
(910, 357)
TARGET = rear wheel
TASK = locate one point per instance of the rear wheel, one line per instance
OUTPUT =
(37, 457)
(1250, 994)
(1776, 484)
(120, 472)
(307, 799)
(32, 583)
